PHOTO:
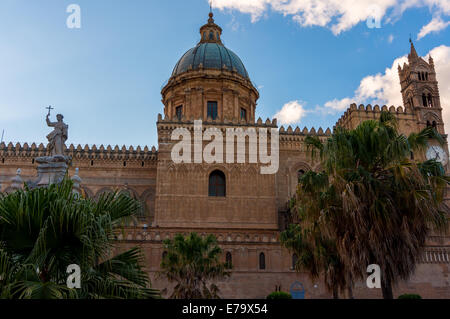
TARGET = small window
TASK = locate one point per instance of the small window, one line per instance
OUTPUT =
(412, 155)
(434, 125)
(426, 76)
(92, 163)
(300, 174)
(212, 109)
(211, 36)
(228, 260)
(243, 114)
(217, 184)
(179, 112)
(262, 261)
(294, 261)
(124, 164)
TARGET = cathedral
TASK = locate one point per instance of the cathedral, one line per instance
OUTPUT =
(244, 209)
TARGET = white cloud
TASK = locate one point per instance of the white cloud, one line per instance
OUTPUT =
(338, 15)
(391, 38)
(384, 88)
(292, 112)
(436, 24)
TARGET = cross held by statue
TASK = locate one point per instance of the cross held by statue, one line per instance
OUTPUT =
(49, 108)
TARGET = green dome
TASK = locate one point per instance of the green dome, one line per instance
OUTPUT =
(211, 56)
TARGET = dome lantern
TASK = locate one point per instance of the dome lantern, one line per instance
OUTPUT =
(210, 32)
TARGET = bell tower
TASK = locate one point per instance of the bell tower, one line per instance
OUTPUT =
(420, 92)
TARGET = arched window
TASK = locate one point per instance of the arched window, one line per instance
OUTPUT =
(428, 124)
(262, 261)
(424, 100)
(300, 173)
(217, 184)
(434, 125)
(211, 36)
(430, 100)
(294, 261)
(426, 76)
(228, 260)
(420, 76)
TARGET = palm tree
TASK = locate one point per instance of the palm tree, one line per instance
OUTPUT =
(44, 230)
(376, 204)
(316, 253)
(193, 263)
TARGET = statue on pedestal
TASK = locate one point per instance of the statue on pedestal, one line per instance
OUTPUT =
(53, 168)
(58, 136)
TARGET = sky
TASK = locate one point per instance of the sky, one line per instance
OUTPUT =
(310, 59)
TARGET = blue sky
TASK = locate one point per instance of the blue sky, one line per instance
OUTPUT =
(106, 77)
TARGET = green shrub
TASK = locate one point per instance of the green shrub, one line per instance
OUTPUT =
(279, 295)
(409, 296)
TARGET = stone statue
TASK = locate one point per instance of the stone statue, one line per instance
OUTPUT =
(58, 137)
(52, 169)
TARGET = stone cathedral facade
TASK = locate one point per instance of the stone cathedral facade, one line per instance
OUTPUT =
(243, 208)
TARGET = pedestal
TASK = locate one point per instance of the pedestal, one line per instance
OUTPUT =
(51, 169)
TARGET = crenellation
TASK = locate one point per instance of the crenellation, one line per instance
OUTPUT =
(79, 152)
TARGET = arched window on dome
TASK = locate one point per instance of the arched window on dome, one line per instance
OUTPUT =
(211, 35)
(179, 112)
(217, 184)
(212, 109)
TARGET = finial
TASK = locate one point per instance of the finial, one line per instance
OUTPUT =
(211, 14)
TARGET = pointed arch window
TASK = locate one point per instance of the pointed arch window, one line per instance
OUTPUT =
(262, 261)
(424, 100)
(217, 184)
(430, 100)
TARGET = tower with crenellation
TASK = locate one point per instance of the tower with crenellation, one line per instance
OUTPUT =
(420, 92)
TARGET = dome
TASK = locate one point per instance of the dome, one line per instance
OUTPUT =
(211, 56)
